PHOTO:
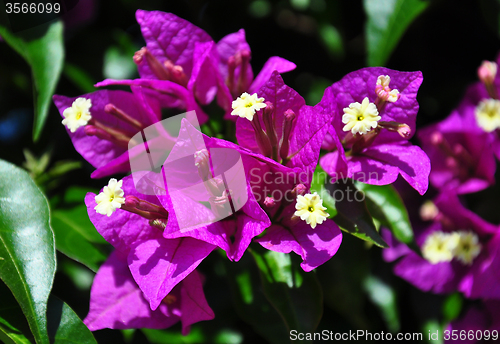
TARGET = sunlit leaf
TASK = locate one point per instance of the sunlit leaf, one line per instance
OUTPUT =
(385, 204)
(45, 55)
(65, 326)
(27, 249)
(387, 21)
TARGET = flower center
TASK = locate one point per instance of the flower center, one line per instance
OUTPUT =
(360, 118)
(246, 105)
(78, 115)
(111, 198)
(488, 114)
(310, 209)
(444, 247)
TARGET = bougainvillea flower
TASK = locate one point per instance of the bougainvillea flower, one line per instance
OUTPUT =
(286, 137)
(480, 107)
(112, 119)
(231, 233)
(459, 247)
(480, 322)
(371, 126)
(157, 264)
(116, 301)
(462, 160)
(180, 52)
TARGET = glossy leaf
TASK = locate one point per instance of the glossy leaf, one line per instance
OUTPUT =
(65, 326)
(295, 294)
(385, 204)
(352, 213)
(45, 55)
(251, 303)
(13, 325)
(387, 21)
(27, 248)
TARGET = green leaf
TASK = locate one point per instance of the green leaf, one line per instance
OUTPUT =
(27, 249)
(295, 294)
(65, 326)
(45, 55)
(195, 336)
(452, 307)
(385, 204)
(387, 21)
(75, 234)
(353, 215)
(383, 296)
(250, 302)
(78, 77)
(13, 325)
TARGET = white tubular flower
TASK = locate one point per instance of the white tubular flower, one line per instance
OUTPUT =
(246, 105)
(111, 198)
(488, 114)
(468, 247)
(310, 209)
(78, 115)
(440, 247)
(360, 118)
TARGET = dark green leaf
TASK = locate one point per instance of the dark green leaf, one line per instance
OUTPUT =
(45, 55)
(251, 303)
(65, 326)
(13, 325)
(74, 232)
(27, 249)
(491, 12)
(295, 294)
(353, 216)
(78, 77)
(387, 21)
(385, 204)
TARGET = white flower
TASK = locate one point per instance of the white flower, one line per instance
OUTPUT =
(440, 247)
(360, 118)
(78, 114)
(488, 114)
(468, 247)
(111, 198)
(246, 105)
(310, 209)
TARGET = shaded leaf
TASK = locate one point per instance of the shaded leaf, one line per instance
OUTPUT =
(65, 326)
(385, 204)
(195, 336)
(27, 249)
(318, 185)
(45, 55)
(295, 294)
(387, 21)
(251, 303)
(13, 325)
(352, 213)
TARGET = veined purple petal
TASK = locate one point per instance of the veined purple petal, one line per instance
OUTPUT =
(169, 37)
(117, 302)
(315, 246)
(229, 46)
(273, 63)
(159, 264)
(123, 229)
(96, 151)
